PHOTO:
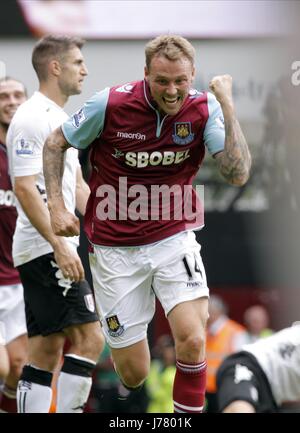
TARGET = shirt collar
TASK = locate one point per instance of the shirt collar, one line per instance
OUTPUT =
(48, 101)
(149, 99)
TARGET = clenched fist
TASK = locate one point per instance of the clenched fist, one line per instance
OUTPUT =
(221, 86)
(64, 223)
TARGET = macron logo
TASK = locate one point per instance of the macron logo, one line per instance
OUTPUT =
(132, 135)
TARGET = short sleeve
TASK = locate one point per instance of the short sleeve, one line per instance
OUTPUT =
(214, 132)
(81, 129)
(25, 141)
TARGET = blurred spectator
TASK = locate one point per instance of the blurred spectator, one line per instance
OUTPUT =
(257, 320)
(263, 375)
(159, 384)
(224, 336)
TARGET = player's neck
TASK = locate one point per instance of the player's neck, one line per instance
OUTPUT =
(54, 93)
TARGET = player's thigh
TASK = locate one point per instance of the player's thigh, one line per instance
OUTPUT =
(134, 357)
(125, 300)
(83, 331)
(86, 339)
(189, 318)
(180, 275)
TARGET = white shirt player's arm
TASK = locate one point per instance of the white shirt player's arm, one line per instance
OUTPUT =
(38, 214)
(26, 143)
(82, 192)
(34, 207)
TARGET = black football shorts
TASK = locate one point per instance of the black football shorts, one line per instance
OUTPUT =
(52, 302)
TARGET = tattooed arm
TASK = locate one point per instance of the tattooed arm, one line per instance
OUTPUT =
(234, 161)
(63, 222)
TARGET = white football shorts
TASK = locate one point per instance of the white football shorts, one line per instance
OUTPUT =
(2, 332)
(126, 280)
(12, 312)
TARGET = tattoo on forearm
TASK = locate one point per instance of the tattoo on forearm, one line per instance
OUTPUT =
(53, 160)
(235, 162)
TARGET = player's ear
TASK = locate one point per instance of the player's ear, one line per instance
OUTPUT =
(54, 68)
(193, 73)
(146, 73)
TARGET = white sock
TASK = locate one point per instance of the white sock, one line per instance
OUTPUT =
(33, 398)
(74, 384)
(72, 393)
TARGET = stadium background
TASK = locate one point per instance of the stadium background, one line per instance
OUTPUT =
(250, 245)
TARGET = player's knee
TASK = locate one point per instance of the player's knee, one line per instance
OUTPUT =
(195, 344)
(190, 347)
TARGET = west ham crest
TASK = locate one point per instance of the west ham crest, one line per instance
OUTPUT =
(183, 133)
(114, 327)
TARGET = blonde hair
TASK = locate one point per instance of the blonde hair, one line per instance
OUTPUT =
(173, 47)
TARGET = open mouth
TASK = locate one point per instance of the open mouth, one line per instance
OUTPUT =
(170, 101)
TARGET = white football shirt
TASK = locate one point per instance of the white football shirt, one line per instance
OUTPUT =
(34, 120)
(279, 357)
